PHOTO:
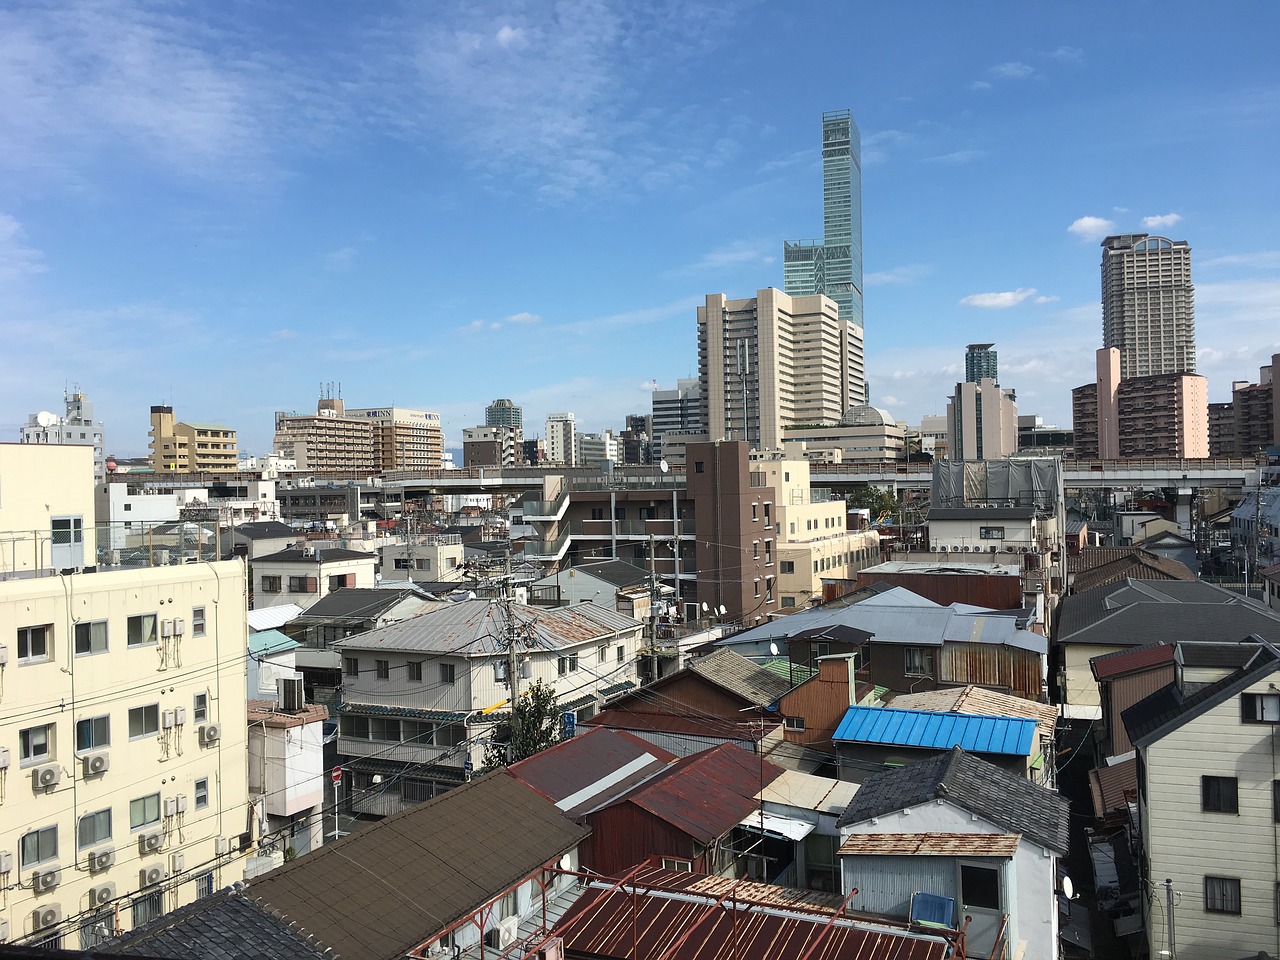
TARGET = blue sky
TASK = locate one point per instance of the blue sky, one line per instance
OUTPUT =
(223, 205)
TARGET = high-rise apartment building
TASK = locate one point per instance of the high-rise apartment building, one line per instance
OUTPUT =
(772, 361)
(328, 441)
(982, 422)
(561, 446)
(504, 413)
(76, 427)
(833, 266)
(980, 363)
(677, 411)
(191, 447)
(404, 439)
(1148, 304)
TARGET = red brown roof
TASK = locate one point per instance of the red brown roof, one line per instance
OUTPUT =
(1111, 665)
(677, 724)
(1113, 787)
(588, 770)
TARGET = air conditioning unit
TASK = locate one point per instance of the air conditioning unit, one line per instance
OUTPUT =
(508, 928)
(102, 894)
(210, 733)
(221, 846)
(289, 694)
(101, 859)
(166, 719)
(965, 549)
(177, 863)
(150, 876)
(46, 916)
(955, 548)
(308, 551)
(1011, 549)
(152, 841)
(1026, 549)
(46, 777)
(95, 764)
(44, 880)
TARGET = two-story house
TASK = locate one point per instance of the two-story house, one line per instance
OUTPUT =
(307, 573)
(426, 691)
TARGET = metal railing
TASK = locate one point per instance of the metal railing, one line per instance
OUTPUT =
(109, 546)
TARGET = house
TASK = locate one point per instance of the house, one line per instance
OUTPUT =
(960, 828)
(991, 580)
(426, 691)
(1206, 798)
(272, 618)
(652, 912)
(813, 709)
(1099, 566)
(872, 738)
(431, 557)
(687, 814)
(722, 685)
(917, 644)
(453, 875)
(308, 573)
(610, 582)
(794, 840)
(1123, 679)
(1172, 546)
(990, 530)
(287, 771)
(1270, 577)
(272, 657)
(1135, 613)
(262, 538)
(353, 610)
(684, 735)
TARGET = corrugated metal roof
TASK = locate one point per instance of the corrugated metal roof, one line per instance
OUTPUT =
(591, 768)
(619, 719)
(737, 674)
(1003, 845)
(268, 618)
(808, 792)
(1109, 786)
(266, 642)
(1010, 736)
(1126, 661)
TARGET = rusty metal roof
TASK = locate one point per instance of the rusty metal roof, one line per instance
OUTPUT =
(591, 769)
(705, 795)
(1003, 845)
(1127, 661)
(1113, 787)
(713, 727)
(602, 923)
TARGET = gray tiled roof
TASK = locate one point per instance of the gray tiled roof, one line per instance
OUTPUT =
(265, 530)
(225, 926)
(617, 572)
(737, 674)
(1007, 800)
(322, 555)
(982, 513)
(1135, 612)
(366, 603)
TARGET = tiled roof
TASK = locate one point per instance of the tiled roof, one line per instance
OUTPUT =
(380, 892)
(1008, 801)
(979, 700)
(1010, 736)
(1128, 661)
(930, 845)
(739, 675)
(617, 572)
(265, 530)
(225, 926)
(321, 555)
(1138, 564)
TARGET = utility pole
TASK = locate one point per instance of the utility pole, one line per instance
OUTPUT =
(1168, 911)
(653, 612)
(513, 659)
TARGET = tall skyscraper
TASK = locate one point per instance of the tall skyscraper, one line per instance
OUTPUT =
(504, 413)
(561, 446)
(1148, 304)
(980, 362)
(772, 361)
(833, 266)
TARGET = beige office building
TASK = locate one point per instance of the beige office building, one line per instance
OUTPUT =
(190, 447)
(773, 361)
(404, 439)
(982, 422)
(329, 441)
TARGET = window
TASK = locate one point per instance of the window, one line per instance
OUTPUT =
(147, 907)
(767, 507)
(144, 811)
(36, 744)
(1260, 707)
(302, 584)
(382, 669)
(413, 670)
(680, 866)
(142, 629)
(819, 649)
(991, 533)
(200, 708)
(95, 828)
(270, 584)
(447, 673)
(755, 513)
(795, 723)
(755, 549)
(91, 637)
(403, 563)
(33, 643)
(144, 721)
(602, 652)
(337, 581)
(384, 728)
(1219, 795)
(622, 652)
(917, 662)
(786, 566)
(768, 551)
(1222, 895)
(40, 846)
(202, 793)
(788, 601)
(204, 885)
(597, 513)
(93, 733)
(197, 621)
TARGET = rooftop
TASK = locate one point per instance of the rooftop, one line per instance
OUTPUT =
(316, 555)
(1003, 845)
(925, 729)
(735, 673)
(591, 769)
(1117, 664)
(269, 713)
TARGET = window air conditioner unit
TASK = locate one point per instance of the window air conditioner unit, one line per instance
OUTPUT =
(150, 876)
(95, 764)
(46, 916)
(102, 894)
(44, 880)
(46, 777)
(210, 733)
(100, 860)
(152, 841)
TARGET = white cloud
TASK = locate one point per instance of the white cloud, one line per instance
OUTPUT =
(956, 157)
(1013, 70)
(999, 301)
(1046, 300)
(790, 160)
(509, 36)
(1261, 260)
(1091, 228)
(341, 259)
(523, 317)
(980, 85)
(736, 254)
(16, 258)
(897, 276)
(1071, 54)
(1160, 221)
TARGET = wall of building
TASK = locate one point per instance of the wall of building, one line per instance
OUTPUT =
(43, 483)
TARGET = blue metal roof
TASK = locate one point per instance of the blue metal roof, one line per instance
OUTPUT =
(1013, 736)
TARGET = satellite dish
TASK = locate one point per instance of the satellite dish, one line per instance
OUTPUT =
(46, 419)
(773, 648)
(1068, 888)
(721, 610)
(664, 466)
(704, 606)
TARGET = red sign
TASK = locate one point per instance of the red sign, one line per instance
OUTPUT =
(337, 774)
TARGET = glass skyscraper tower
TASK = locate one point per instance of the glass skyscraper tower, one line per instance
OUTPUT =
(833, 265)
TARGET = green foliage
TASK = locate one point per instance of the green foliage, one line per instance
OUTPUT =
(538, 716)
(879, 502)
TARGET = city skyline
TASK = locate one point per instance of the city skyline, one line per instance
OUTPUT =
(217, 212)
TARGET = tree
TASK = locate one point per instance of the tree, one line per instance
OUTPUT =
(879, 502)
(538, 720)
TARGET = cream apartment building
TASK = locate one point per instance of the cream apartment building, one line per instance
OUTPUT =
(191, 447)
(123, 788)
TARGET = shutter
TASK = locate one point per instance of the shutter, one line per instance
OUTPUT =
(351, 579)
(313, 584)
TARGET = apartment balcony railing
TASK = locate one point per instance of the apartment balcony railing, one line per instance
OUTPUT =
(89, 548)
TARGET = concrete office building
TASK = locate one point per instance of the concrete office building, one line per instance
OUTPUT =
(561, 445)
(76, 427)
(491, 446)
(677, 411)
(980, 362)
(982, 422)
(772, 361)
(833, 265)
(865, 434)
(190, 447)
(1148, 304)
